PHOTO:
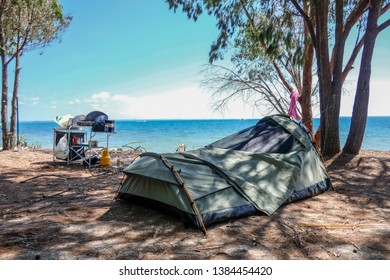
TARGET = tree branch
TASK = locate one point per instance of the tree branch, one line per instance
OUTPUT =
(230, 88)
(383, 26)
(306, 18)
(281, 76)
(252, 22)
(385, 9)
(358, 48)
(354, 17)
(352, 58)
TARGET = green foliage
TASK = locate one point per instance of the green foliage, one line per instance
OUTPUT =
(31, 24)
(23, 143)
(259, 27)
(22, 140)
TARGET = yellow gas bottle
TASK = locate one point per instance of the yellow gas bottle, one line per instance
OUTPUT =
(105, 160)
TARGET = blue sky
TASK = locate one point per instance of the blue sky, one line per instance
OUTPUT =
(139, 60)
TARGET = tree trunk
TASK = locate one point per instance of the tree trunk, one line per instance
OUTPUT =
(4, 100)
(14, 104)
(307, 80)
(360, 106)
(306, 94)
(4, 80)
(334, 82)
(330, 105)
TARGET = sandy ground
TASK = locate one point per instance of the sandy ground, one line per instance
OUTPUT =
(49, 210)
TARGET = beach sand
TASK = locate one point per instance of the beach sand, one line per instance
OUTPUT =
(49, 210)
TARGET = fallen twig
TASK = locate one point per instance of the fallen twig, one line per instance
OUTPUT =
(53, 175)
(208, 248)
(41, 175)
(48, 214)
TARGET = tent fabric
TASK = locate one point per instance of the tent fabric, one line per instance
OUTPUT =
(263, 137)
(254, 170)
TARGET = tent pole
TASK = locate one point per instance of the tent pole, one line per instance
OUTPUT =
(192, 202)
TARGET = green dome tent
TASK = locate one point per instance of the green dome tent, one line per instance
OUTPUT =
(257, 169)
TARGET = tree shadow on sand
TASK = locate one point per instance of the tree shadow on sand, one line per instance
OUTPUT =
(71, 214)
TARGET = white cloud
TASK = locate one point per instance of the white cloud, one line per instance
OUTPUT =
(101, 97)
(189, 102)
(74, 101)
(192, 102)
(123, 98)
(30, 101)
(97, 101)
(185, 103)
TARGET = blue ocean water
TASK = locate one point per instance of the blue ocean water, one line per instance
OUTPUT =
(165, 135)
